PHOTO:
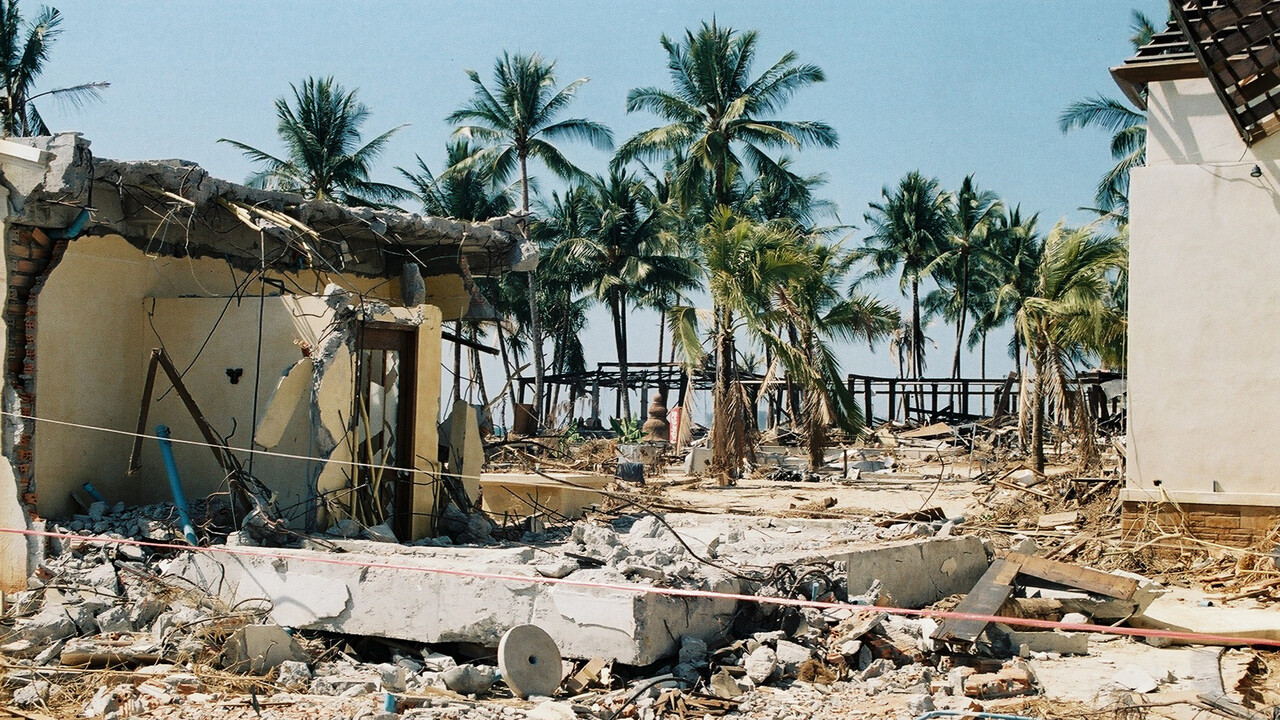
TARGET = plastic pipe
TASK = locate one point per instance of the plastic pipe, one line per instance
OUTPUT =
(972, 714)
(175, 483)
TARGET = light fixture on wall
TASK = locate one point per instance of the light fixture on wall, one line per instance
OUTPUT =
(1255, 172)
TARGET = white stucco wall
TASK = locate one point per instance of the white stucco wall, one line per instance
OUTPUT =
(1204, 307)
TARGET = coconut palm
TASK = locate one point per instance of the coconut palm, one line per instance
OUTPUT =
(1128, 129)
(718, 123)
(909, 231)
(812, 303)
(972, 215)
(717, 113)
(743, 263)
(514, 121)
(1068, 313)
(1016, 250)
(626, 256)
(24, 49)
(324, 158)
(471, 193)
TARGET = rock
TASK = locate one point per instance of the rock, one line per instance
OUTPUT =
(1075, 618)
(562, 567)
(293, 674)
(52, 654)
(918, 705)
(850, 648)
(97, 510)
(346, 528)
(34, 695)
(103, 702)
(393, 677)
(258, 649)
(552, 710)
(761, 664)
(877, 668)
(693, 651)
(790, 655)
(114, 620)
(381, 533)
(1011, 681)
(469, 679)
(83, 617)
(102, 579)
(438, 662)
(724, 686)
(47, 626)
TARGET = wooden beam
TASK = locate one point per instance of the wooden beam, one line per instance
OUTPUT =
(1074, 576)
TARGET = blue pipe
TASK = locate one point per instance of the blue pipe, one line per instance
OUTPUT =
(175, 483)
(73, 230)
(972, 714)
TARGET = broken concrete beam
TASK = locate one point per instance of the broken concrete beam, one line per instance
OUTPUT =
(917, 574)
(409, 602)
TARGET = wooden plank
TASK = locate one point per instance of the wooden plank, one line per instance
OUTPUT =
(986, 598)
(1081, 578)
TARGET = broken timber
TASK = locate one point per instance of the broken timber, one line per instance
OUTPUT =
(997, 584)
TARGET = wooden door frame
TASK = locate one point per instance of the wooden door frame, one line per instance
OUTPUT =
(404, 340)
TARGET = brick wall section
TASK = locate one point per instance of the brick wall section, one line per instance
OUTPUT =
(1234, 525)
(32, 255)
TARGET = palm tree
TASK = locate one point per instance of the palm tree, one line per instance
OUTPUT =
(1067, 314)
(323, 159)
(743, 263)
(1128, 129)
(514, 121)
(972, 213)
(1016, 252)
(717, 122)
(464, 193)
(716, 107)
(24, 49)
(812, 303)
(626, 256)
(909, 230)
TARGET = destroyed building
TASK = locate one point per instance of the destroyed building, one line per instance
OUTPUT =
(1204, 256)
(306, 328)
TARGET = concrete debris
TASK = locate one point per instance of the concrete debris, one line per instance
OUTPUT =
(761, 664)
(258, 649)
(470, 679)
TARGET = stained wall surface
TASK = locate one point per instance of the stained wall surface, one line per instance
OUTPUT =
(1204, 307)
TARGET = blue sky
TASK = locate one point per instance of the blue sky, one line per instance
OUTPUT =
(945, 87)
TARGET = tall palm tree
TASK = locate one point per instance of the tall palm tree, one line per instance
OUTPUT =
(813, 304)
(972, 214)
(514, 121)
(743, 263)
(909, 231)
(471, 193)
(1016, 251)
(1128, 129)
(1067, 314)
(626, 255)
(717, 123)
(24, 49)
(324, 158)
(717, 112)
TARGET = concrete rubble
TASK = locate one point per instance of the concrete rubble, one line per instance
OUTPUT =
(344, 625)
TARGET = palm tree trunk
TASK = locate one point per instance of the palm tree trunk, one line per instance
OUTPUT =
(793, 393)
(1037, 414)
(984, 370)
(726, 425)
(964, 312)
(817, 430)
(506, 363)
(662, 375)
(917, 343)
(620, 346)
(535, 323)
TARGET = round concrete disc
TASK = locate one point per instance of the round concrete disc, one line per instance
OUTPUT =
(530, 661)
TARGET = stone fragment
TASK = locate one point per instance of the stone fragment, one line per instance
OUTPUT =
(724, 686)
(101, 703)
(877, 668)
(1136, 679)
(552, 710)
(34, 695)
(693, 651)
(258, 649)
(469, 679)
(562, 567)
(47, 626)
(918, 705)
(438, 662)
(761, 664)
(790, 655)
(114, 620)
(293, 674)
(1011, 681)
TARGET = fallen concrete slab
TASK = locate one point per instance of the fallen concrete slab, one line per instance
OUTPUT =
(408, 604)
(916, 574)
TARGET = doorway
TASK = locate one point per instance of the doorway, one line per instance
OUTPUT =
(386, 389)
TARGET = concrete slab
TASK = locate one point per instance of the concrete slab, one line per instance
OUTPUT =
(408, 604)
(916, 574)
